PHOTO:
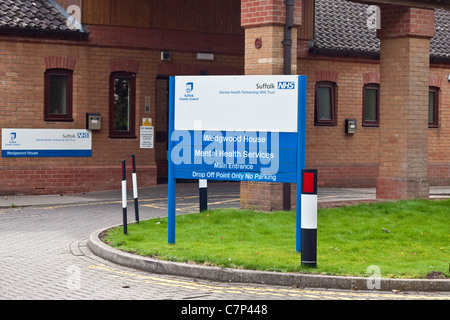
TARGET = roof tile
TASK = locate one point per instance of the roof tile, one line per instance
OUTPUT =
(341, 25)
(35, 15)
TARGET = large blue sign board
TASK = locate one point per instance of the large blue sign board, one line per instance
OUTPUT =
(237, 128)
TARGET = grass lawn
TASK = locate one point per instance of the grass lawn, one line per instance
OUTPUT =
(404, 239)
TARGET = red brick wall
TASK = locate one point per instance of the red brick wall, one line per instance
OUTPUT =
(351, 175)
(404, 75)
(53, 180)
(352, 160)
(342, 160)
(330, 147)
(264, 22)
(267, 12)
(439, 138)
(402, 21)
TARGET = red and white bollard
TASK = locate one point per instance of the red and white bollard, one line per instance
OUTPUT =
(124, 197)
(135, 188)
(203, 194)
(309, 218)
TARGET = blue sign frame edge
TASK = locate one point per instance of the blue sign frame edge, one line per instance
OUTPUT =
(301, 139)
(171, 196)
(301, 142)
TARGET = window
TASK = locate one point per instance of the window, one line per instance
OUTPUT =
(325, 104)
(371, 105)
(122, 105)
(58, 95)
(433, 107)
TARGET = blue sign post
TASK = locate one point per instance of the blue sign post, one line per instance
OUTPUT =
(236, 128)
(171, 176)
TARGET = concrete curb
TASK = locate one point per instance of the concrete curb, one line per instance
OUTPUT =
(104, 251)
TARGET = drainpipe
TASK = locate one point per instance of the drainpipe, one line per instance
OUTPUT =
(287, 45)
(287, 41)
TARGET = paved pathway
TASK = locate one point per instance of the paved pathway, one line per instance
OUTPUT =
(43, 254)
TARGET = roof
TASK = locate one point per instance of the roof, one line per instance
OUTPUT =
(37, 17)
(341, 28)
(440, 43)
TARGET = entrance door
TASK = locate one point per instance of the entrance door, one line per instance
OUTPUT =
(162, 127)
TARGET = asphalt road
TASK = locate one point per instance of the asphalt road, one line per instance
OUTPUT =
(44, 256)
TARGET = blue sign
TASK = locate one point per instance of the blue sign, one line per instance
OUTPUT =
(235, 156)
(237, 128)
(18, 143)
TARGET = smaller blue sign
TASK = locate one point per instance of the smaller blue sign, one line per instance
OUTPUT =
(45, 153)
(18, 143)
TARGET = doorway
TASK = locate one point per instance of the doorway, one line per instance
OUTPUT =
(162, 127)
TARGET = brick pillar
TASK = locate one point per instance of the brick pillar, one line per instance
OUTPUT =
(404, 77)
(264, 21)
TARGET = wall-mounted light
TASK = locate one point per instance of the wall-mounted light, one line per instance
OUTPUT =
(205, 56)
(448, 78)
(165, 55)
(258, 43)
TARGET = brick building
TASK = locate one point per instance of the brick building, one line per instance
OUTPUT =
(140, 43)
(391, 80)
(348, 55)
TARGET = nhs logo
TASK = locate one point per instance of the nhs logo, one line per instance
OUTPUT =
(286, 85)
(82, 135)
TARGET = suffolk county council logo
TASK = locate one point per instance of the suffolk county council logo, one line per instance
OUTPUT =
(189, 87)
(13, 136)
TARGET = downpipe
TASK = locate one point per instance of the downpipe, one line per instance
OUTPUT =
(287, 40)
(287, 65)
